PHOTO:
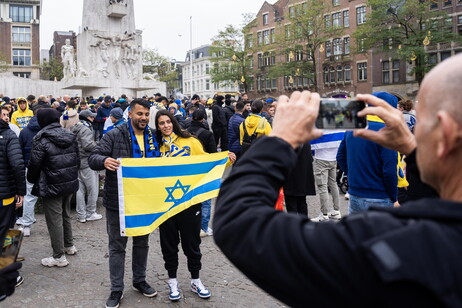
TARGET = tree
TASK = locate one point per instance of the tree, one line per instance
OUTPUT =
(229, 56)
(52, 69)
(403, 29)
(155, 63)
(3, 63)
(306, 34)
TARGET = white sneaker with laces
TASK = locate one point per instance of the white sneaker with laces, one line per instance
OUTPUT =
(26, 231)
(203, 233)
(60, 262)
(94, 216)
(174, 294)
(320, 218)
(198, 288)
(335, 215)
(70, 250)
(209, 232)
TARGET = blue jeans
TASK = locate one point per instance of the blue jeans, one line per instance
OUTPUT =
(358, 204)
(206, 209)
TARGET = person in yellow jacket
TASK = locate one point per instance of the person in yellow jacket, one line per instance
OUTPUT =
(254, 123)
(175, 142)
(22, 116)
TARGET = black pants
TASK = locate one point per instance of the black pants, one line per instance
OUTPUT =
(221, 136)
(186, 225)
(7, 219)
(296, 204)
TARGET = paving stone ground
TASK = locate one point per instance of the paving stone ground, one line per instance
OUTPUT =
(85, 282)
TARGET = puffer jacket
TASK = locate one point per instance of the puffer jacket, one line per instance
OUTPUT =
(26, 136)
(115, 144)
(12, 179)
(85, 141)
(54, 162)
(235, 121)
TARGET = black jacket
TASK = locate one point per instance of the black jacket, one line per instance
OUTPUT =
(300, 181)
(12, 173)
(204, 135)
(218, 116)
(26, 136)
(388, 257)
(115, 144)
(229, 111)
(54, 162)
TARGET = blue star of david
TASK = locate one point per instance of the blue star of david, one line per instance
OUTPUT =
(171, 191)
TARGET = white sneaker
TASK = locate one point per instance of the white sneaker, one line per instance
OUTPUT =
(198, 288)
(174, 294)
(60, 262)
(209, 232)
(26, 231)
(82, 220)
(70, 250)
(335, 215)
(203, 233)
(94, 216)
(320, 218)
(19, 222)
(347, 196)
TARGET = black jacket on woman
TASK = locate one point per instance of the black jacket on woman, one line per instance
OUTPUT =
(12, 179)
(54, 162)
(205, 136)
(300, 181)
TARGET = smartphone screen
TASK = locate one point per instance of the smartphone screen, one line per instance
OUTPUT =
(340, 114)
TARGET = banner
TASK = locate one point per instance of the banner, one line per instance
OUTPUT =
(151, 190)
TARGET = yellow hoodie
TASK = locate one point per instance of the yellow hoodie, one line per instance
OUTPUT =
(22, 118)
(175, 146)
(254, 122)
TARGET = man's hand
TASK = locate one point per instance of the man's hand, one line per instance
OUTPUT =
(19, 201)
(232, 157)
(295, 118)
(111, 164)
(395, 135)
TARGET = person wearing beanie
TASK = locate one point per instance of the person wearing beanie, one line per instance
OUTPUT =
(53, 170)
(117, 118)
(87, 194)
(22, 116)
(219, 124)
(228, 108)
(70, 116)
(371, 168)
(174, 109)
(102, 114)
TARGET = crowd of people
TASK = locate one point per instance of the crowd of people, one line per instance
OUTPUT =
(55, 148)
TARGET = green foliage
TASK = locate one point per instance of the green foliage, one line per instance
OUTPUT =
(229, 57)
(400, 27)
(155, 63)
(52, 69)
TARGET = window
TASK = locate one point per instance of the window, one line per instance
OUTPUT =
(459, 24)
(22, 74)
(250, 61)
(337, 44)
(272, 36)
(347, 72)
(448, 24)
(291, 11)
(447, 2)
(207, 68)
(326, 74)
(328, 50)
(265, 19)
(444, 55)
(266, 38)
(288, 31)
(21, 57)
(327, 21)
(362, 71)
(202, 70)
(434, 4)
(332, 74)
(299, 53)
(260, 60)
(346, 19)
(386, 72)
(266, 59)
(272, 58)
(336, 22)
(274, 83)
(21, 13)
(298, 30)
(346, 45)
(259, 39)
(395, 71)
(335, 2)
(339, 73)
(207, 84)
(432, 58)
(21, 35)
(360, 15)
(249, 41)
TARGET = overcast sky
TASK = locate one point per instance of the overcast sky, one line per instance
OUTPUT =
(165, 24)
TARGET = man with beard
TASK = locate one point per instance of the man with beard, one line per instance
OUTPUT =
(132, 139)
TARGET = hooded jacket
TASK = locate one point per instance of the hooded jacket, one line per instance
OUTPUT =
(69, 118)
(234, 132)
(85, 141)
(12, 180)
(26, 136)
(22, 118)
(54, 162)
(254, 122)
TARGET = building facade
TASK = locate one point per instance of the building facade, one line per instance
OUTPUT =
(59, 39)
(20, 37)
(200, 81)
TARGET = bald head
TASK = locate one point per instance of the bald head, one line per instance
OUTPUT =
(442, 88)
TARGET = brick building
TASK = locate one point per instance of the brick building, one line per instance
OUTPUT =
(20, 36)
(59, 39)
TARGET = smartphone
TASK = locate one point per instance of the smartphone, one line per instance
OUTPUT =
(10, 249)
(342, 114)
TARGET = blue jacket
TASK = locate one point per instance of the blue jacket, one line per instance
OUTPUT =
(26, 136)
(233, 132)
(371, 168)
(103, 113)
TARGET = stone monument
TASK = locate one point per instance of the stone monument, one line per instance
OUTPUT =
(109, 51)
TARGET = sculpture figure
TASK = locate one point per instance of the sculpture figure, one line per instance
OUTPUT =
(67, 56)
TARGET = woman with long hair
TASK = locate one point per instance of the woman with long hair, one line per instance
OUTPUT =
(175, 142)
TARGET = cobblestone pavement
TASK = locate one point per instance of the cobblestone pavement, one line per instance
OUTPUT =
(85, 282)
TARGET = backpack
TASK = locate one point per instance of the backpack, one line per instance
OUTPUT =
(248, 139)
(197, 135)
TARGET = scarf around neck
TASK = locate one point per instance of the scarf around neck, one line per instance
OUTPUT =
(151, 148)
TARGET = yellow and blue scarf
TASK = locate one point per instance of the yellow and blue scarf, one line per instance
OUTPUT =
(151, 146)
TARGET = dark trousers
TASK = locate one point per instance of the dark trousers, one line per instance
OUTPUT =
(7, 219)
(117, 246)
(296, 204)
(58, 217)
(186, 225)
(221, 137)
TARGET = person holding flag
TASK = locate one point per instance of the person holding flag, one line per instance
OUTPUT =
(175, 142)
